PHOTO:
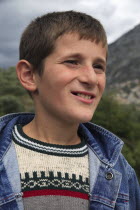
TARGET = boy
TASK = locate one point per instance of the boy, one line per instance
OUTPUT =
(55, 159)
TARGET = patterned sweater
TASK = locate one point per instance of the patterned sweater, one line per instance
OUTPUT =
(53, 176)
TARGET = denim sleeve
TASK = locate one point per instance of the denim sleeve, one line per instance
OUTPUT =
(134, 191)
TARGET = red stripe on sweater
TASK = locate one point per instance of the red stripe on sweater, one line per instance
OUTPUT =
(55, 192)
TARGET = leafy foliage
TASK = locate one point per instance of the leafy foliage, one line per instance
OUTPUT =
(9, 103)
(13, 97)
(123, 120)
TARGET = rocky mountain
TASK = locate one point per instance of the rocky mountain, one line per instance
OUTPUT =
(123, 69)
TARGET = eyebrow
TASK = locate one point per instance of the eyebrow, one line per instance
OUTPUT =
(74, 55)
(100, 60)
(79, 56)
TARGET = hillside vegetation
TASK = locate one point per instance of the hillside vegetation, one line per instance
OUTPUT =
(123, 69)
(123, 120)
(13, 98)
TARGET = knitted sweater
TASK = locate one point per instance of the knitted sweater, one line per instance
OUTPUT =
(53, 176)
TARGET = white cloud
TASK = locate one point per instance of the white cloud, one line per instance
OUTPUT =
(117, 16)
(125, 17)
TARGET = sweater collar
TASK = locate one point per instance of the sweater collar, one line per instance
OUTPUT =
(103, 143)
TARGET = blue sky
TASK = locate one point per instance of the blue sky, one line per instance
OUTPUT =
(117, 16)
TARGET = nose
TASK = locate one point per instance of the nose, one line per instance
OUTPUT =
(88, 76)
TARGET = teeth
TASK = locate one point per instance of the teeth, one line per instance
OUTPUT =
(84, 96)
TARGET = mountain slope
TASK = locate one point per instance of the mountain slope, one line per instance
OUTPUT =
(123, 69)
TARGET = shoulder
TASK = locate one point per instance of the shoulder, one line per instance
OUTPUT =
(129, 177)
(15, 118)
(123, 166)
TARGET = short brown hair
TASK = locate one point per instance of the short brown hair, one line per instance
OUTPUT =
(38, 39)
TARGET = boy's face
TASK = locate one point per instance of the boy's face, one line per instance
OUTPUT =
(73, 80)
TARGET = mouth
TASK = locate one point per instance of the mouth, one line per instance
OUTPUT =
(84, 95)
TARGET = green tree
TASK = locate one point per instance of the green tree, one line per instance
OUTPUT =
(9, 104)
(12, 91)
(124, 121)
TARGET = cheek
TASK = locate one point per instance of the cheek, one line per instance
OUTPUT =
(102, 83)
(53, 88)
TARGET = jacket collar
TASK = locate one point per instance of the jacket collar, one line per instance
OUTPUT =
(104, 144)
(7, 123)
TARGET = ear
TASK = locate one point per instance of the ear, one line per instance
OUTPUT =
(26, 75)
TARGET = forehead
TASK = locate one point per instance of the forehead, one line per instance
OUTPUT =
(71, 43)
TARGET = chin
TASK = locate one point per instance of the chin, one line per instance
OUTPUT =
(80, 117)
(86, 119)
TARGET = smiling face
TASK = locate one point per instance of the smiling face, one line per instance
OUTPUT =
(73, 80)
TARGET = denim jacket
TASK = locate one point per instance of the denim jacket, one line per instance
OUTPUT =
(113, 183)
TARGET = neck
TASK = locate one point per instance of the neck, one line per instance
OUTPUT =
(52, 131)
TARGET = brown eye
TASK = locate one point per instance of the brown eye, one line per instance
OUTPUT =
(99, 67)
(74, 62)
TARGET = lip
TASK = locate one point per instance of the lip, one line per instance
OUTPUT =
(84, 100)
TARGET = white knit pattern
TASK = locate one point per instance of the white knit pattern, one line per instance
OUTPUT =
(30, 161)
